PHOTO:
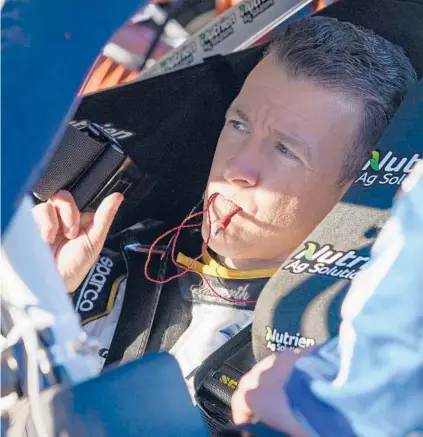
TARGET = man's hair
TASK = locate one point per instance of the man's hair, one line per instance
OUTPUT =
(355, 61)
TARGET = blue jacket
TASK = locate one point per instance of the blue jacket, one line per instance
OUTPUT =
(368, 381)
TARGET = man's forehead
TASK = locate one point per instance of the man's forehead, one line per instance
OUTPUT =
(312, 120)
(269, 82)
(301, 106)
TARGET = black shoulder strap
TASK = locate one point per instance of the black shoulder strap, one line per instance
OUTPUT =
(91, 165)
(139, 307)
(217, 378)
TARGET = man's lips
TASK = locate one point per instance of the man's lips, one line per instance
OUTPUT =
(222, 206)
(222, 212)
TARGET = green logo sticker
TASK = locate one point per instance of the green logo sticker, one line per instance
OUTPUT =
(374, 160)
(310, 251)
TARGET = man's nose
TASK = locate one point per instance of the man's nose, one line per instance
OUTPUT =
(242, 170)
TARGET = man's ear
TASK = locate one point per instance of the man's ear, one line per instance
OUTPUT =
(345, 186)
(344, 182)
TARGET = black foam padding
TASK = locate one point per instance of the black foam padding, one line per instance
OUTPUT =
(310, 303)
(96, 177)
(399, 21)
(220, 391)
(75, 154)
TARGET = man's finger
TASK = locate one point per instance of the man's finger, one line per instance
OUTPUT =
(103, 218)
(68, 213)
(46, 218)
(241, 412)
(86, 219)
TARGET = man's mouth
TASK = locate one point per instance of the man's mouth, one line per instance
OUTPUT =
(224, 211)
(222, 206)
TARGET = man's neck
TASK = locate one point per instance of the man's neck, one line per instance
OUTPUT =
(248, 264)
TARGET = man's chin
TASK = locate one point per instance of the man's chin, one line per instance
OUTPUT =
(225, 244)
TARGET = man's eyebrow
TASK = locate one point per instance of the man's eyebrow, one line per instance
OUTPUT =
(293, 140)
(286, 137)
(239, 112)
(283, 137)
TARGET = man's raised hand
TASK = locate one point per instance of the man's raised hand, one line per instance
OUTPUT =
(75, 238)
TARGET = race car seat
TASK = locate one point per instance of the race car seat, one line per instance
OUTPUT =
(300, 305)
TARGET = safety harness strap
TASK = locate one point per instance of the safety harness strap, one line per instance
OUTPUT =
(139, 308)
(91, 165)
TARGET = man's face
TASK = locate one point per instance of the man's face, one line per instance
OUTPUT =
(279, 157)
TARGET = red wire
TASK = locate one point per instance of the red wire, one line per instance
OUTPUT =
(223, 224)
(157, 281)
(228, 218)
(178, 229)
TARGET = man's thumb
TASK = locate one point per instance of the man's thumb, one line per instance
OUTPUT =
(103, 218)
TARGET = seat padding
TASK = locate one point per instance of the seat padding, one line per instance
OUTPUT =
(300, 305)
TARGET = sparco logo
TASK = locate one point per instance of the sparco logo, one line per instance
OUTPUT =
(94, 284)
(214, 35)
(389, 170)
(327, 261)
(280, 341)
(252, 8)
(108, 127)
(182, 58)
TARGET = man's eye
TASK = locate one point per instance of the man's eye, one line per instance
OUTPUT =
(285, 151)
(238, 125)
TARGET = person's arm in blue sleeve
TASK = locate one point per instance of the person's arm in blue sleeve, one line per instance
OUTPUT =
(368, 382)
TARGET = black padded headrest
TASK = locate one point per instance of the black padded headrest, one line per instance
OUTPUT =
(399, 21)
(299, 307)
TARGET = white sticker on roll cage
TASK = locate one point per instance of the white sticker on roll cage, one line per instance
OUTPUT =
(236, 29)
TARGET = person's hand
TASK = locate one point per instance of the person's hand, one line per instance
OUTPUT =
(260, 396)
(75, 238)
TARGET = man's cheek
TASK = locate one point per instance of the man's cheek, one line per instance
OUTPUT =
(276, 203)
(227, 147)
(315, 205)
(280, 185)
